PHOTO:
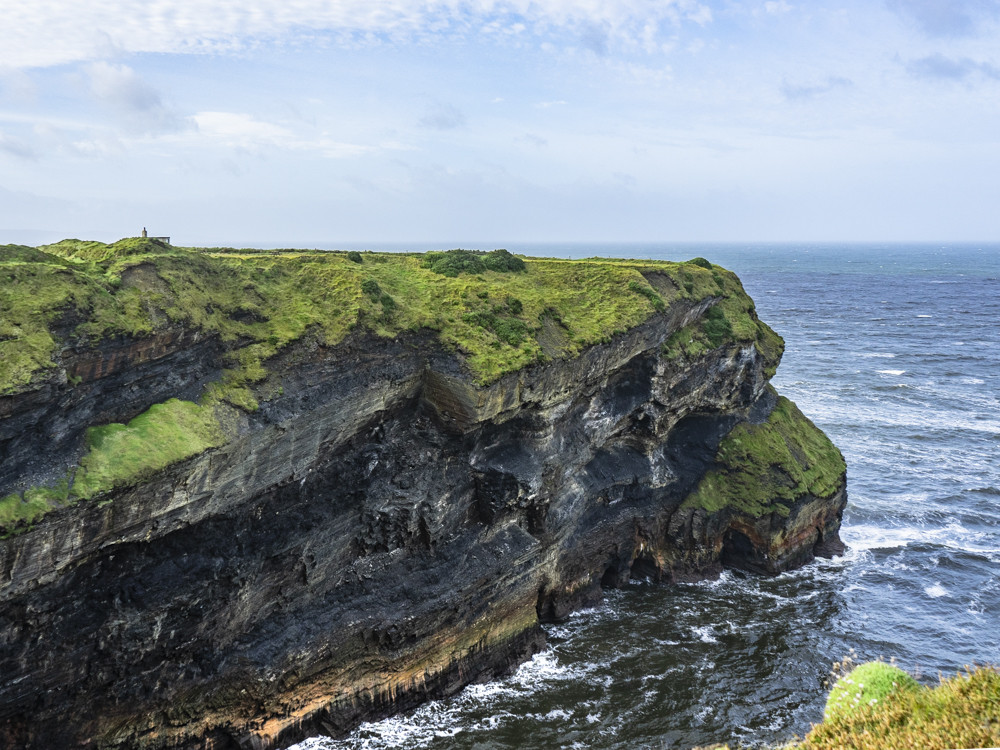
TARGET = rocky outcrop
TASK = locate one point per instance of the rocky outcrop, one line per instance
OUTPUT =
(379, 532)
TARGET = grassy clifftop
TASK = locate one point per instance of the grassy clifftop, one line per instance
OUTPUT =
(501, 314)
(497, 311)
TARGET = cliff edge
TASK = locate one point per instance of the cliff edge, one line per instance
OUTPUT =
(247, 497)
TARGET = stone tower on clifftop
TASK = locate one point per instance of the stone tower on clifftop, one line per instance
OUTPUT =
(161, 239)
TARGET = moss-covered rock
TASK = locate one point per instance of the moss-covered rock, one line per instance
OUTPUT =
(166, 433)
(765, 468)
(731, 318)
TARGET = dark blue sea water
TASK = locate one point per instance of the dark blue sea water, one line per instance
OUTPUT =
(895, 352)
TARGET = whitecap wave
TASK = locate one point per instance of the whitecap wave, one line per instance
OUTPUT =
(868, 537)
(704, 634)
(953, 536)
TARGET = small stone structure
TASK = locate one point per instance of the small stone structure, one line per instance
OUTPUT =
(161, 239)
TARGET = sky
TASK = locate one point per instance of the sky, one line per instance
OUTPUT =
(468, 122)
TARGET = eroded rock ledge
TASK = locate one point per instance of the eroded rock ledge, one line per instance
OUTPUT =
(383, 530)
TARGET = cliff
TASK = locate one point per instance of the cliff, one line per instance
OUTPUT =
(252, 496)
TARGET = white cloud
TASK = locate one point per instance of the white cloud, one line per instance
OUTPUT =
(946, 18)
(242, 131)
(16, 147)
(775, 7)
(239, 130)
(51, 32)
(941, 67)
(802, 92)
(533, 140)
(17, 84)
(103, 146)
(125, 92)
(443, 117)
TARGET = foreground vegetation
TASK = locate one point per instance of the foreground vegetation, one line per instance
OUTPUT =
(877, 706)
(497, 311)
(960, 712)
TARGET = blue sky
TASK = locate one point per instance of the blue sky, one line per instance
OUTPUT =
(302, 122)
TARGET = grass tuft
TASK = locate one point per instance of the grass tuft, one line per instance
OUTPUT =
(20, 511)
(865, 685)
(649, 293)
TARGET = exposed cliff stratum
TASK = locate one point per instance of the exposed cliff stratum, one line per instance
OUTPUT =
(247, 497)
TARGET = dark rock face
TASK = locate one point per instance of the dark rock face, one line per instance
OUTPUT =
(382, 533)
(41, 431)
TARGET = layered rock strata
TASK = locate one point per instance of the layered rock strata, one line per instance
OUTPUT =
(380, 532)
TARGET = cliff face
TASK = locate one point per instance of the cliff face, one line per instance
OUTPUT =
(383, 528)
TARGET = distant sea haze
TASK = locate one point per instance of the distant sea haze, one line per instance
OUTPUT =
(894, 351)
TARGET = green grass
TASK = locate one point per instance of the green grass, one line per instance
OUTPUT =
(764, 468)
(268, 299)
(163, 435)
(120, 454)
(865, 685)
(17, 511)
(960, 712)
(649, 293)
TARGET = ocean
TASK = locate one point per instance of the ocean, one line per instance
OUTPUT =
(894, 350)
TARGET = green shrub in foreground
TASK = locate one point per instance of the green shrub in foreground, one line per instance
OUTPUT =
(960, 712)
(866, 684)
